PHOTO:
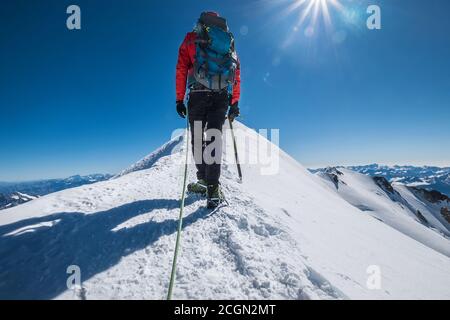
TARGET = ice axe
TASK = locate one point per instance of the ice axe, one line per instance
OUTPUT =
(235, 150)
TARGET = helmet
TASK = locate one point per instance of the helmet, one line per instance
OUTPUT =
(210, 13)
(211, 18)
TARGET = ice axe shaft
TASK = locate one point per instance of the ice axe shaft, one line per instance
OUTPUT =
(235, 150)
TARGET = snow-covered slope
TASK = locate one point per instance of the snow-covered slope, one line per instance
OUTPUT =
(283, 236)
(431, 205)
(396, 205)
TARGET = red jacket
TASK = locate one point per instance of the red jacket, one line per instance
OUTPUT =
(185, 67)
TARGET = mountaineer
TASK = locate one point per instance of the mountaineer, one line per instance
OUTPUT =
(209, 67)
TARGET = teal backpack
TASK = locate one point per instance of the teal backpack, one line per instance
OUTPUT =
(215, 59)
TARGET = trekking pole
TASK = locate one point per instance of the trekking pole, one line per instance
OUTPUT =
(180, 218)
(235, 150)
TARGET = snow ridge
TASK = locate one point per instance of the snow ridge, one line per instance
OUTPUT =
(283, 236)
(149, 160)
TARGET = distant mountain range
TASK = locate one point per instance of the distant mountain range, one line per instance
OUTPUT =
(426, 177)
(14, 199)
(15, 193)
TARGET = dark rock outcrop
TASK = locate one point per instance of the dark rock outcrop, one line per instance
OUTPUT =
(421, 217)
(333, 174)
(445, 212)
(384, 184)
(432, 196)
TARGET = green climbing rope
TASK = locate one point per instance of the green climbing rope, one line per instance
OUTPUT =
(180, 219)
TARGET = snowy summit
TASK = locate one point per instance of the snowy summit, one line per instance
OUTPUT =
(289, 235)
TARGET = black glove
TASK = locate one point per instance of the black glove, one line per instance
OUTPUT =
(181, 109)
(234, 111)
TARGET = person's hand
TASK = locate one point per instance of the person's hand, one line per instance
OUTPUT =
(234, 111)
(181, 109)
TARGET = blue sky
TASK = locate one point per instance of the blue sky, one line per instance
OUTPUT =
(98, 99)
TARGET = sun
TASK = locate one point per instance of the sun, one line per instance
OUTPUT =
(310, 13)
(312, 9)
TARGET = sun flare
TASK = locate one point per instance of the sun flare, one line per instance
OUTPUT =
(312, 9)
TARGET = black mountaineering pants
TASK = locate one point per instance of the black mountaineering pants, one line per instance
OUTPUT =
(208, 110)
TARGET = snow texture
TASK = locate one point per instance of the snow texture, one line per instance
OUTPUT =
(283, 236)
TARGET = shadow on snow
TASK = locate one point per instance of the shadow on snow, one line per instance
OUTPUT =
(33, 264)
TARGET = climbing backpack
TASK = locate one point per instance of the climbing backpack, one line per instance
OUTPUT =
(215, 57)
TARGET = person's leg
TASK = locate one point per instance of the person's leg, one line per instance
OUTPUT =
(197, 106)
(215, 118)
